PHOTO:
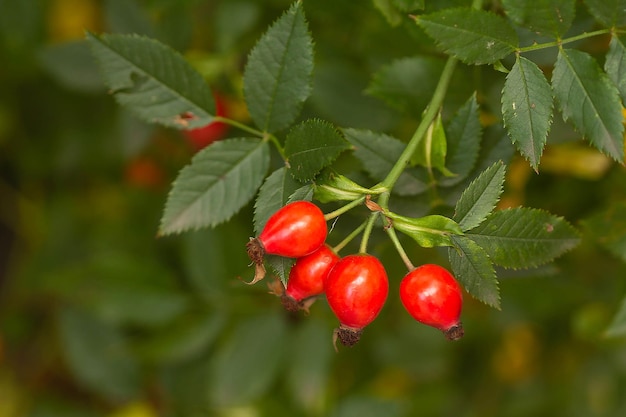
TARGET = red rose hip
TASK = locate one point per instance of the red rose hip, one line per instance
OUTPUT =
(433, 297)
(356, 290)
(294, 231)
(306, 279)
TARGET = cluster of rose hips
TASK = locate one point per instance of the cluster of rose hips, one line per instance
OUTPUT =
(356, 286)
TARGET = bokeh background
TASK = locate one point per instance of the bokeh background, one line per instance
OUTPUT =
(99, 317)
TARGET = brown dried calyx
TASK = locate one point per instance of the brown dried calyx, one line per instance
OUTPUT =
(348, 336)
(455, 332)
(256, 252)
(289, 303)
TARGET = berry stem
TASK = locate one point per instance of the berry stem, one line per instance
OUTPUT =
(368, 231)
(396, 242)
(341, 210)
(349, 238)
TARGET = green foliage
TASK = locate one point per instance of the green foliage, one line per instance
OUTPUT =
(254, 348)
(277, 78)
(473, 36)
(480, 197)
(544, 17)
(311, 146)
(378, 152)
(463, 143)
(98, 355)
(99, 318)
(215, 185)
(609, 13)
(153, 81)
(527, 109)
(523, 237)
(474, 270)
(615, 65)
(587, 97)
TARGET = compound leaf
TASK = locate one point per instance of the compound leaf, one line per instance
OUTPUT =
(153, 81)
(523, 237)
(527, 109)
(480, 197)
(608, 12)
(463, 137)
(587, 97)
(615, 65)
(473, 36)
(311, 146)
(544, 17)
(277, 77)
(220, 179)
(473, 268)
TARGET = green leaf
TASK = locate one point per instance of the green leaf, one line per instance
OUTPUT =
(273, 194)
(188, 337)
(527, 109)
(464, 136)
(98, 356)
(608, 228)
(617, 328)
(588, 99)
(378, 153)
(277, 77)
(480, 197)
(473, 268)
(220, 180)
(281, 266)
(309, 362)
(544, 17)
(473, 36)
(246, 365)
(615, 65)
(408, 83)
(432, 149)
(427, 231)
(153, 81)
(311, 146)
(609, 13)
(304, 193)
(523, 237)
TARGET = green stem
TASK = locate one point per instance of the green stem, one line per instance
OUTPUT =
(238, 125)
(429, 115)
(563, 41)
(396, 242)
(337, 248)
(367, 232)
(341, 210)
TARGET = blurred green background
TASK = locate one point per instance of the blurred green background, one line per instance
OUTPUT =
(98, 317)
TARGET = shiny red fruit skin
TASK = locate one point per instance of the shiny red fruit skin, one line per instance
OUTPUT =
(308, 274)
(356, 290)
(432, 296)
(295, 230)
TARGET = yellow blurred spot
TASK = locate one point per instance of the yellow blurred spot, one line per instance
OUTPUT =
(515, 359)
(392, 383)
(488, 119)
(575, 160)
(136, 409)
(68, 19)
